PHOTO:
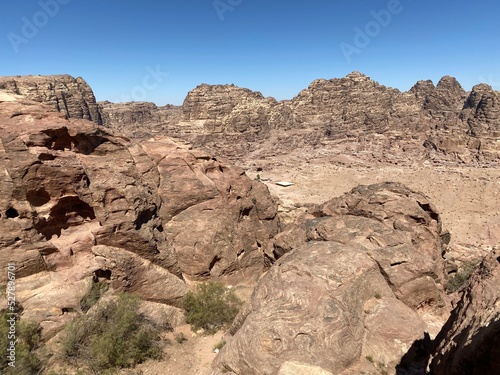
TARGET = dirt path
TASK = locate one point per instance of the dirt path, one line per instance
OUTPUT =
(192, 357)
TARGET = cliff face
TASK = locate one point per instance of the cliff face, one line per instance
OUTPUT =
(138, 120)
(68, 95)
(351, 115)
(469, 343)
(78, 203)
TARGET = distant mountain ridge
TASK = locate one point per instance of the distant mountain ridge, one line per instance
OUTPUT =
(355, 115)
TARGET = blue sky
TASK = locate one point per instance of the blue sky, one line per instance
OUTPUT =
(159, 50)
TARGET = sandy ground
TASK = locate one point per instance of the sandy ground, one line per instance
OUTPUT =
(192, 357)
(467, 198)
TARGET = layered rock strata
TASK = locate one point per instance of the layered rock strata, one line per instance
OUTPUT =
(79, 204)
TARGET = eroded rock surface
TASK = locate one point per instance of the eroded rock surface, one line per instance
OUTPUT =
(138, 120)
(71, 96)
(324, 304)
(470, 341)
(352, 116)
(79, 204)
(359, 284)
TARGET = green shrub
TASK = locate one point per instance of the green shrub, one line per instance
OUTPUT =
(180, 338)
(220, 344)
(28, 337)
(96, 291)
(458, 280)
(211, 307)
(115, 335)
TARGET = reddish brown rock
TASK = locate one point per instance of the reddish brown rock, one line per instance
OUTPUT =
(138, 120)
(353, 116)
(71, 96)
(218, 221)
(399, 228)
(78, 203)
(469, 343)
(326, 305)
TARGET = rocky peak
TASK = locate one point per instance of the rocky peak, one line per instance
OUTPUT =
(138, 120)
(482, 111)
(226, 110)
(215, 101)
(346, 105)
(358, 77)
(480, 95)
(423, 87)
(71, 96)
(451, 85)
(441, 102)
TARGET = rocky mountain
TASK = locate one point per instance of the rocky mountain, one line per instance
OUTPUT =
(78, 203)
(138, 120)
(351, 115)
(352, 285)
(68, 95)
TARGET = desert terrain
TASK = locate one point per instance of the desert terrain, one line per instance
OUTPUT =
(378, 256)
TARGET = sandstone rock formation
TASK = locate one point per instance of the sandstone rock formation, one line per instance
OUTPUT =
(355, 285)
(78, 204)
(353, 115)
(402, 231)
(324, 304)
(364, 287)
(470, 341)
(138, 120)
(71, 96)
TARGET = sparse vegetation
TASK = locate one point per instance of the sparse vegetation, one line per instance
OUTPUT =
(180, 338)
(458, 280)
(28, 337)
(378, 295)
(96, 291)
(211, 307)
(220, 344)
(114, 336)
(369, 358)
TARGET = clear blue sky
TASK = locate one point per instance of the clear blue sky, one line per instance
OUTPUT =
(277, 47)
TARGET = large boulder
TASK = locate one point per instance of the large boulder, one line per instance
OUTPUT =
(399, 228)
(79, 204)
(324, 304)
(469, 343)
(358, 287)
